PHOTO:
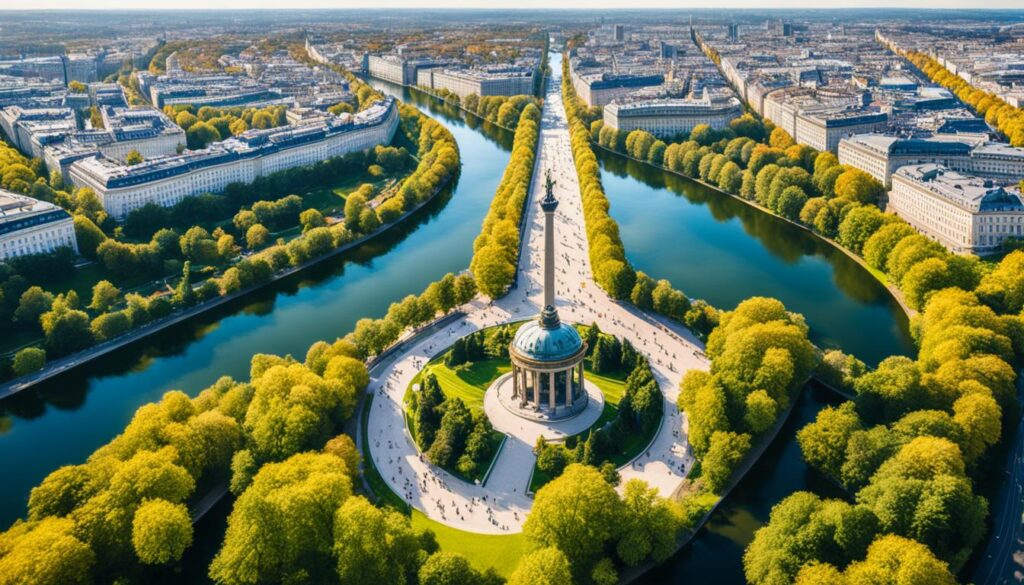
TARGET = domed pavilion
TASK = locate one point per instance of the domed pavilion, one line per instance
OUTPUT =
(547, 355)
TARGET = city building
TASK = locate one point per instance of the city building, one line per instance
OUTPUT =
(31, 226)
(31, 130)
(880, 155)
(62, 68)
(397, 69)
(218, 90)
(966, 214)
(504, 80)
(820, 118)
(601, 89)
(666, 118)
(241, 159)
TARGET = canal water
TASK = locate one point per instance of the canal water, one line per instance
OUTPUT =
(715, 247)
(64, 420)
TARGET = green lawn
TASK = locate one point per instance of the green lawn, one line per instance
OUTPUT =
(331, 200)
(501, 551)
(468, 383)
(613, 386)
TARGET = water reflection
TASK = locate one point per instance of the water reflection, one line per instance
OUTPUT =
(715, 247)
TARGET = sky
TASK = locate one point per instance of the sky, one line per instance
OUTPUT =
(523, 4)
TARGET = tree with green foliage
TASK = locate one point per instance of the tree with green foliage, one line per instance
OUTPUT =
(546, 566)
(725, 451)
(860, 224)
(32, 304)
(288, 513)
(47, 552)
(110, 325)
(66, 329)
(447, 568)
(256, 236)
(579, 513)
(375, 545)
(104, 296)
(803, 529)
(823, 442)
(161, 531)
(201, 134)
(649, 525)
(28, 360)
(133, 158)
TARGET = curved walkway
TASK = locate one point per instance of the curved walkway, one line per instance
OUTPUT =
(501, 506)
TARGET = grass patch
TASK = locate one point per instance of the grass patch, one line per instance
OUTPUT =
(500, 551)
(468, 383)
(613, 386)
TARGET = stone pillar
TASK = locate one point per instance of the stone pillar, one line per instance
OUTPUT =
(537, 390)
(552, 393)
(524, 386)
(515, 382)
(568, 387)
(582, 386)
(549, 258)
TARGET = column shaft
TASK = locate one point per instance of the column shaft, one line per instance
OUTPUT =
(536, 391)
(515, 382)
(549, 258)
(551, 391)
(568, 387)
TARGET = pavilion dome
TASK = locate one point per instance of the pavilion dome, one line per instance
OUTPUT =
(547, 339)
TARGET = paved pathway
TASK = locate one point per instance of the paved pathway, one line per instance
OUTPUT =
(501, 506)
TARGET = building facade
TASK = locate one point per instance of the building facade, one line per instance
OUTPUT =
(482, 82)
(880, 155)
(666, 118)
(602, 88)
(31, 226)
(167, 180)
(966, 214)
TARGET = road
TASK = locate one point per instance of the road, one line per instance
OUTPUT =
(501, 505)
(1002, 561)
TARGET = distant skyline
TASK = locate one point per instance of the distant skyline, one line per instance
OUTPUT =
(518, 4)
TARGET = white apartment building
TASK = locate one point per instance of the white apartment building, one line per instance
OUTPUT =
(482, 82)
(31, 226)
(666, 118)
(821, 117)
(167, 180)
(966, 214)
(880, 155)
(30, 130)
(598, 88)
(387, 67)
(823, 130)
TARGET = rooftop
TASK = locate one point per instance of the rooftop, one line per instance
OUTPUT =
(967, 192)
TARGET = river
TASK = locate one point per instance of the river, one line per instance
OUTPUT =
(717, 248)
(62, 421)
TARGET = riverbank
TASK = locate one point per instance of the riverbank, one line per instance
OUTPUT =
(68, 363)
(893, 291)
(426, 92)
(631, 574)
